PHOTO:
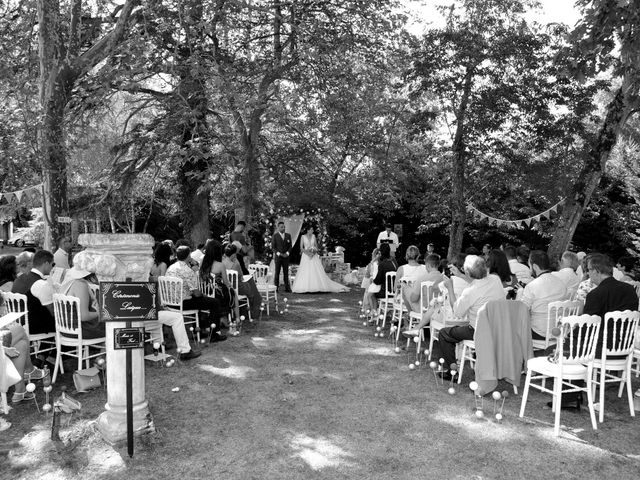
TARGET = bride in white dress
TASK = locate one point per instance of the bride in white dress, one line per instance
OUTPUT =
(311, 276)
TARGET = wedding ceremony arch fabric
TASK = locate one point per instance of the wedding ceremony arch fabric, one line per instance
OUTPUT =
(514, 223)
(292, 225)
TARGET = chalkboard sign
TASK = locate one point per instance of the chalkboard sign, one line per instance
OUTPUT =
(124, 338)
(128, 301)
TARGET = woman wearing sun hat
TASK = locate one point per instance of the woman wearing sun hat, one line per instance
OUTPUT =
(76, 284)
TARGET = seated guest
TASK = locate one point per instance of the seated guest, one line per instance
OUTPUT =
(248, 287)
(198, 254)
(625, 266)
(521, 271)
(567, 271)
(430, 273)
(8, 272)
(16, 347)
(542, 290)
(371, 271)
(498, 265)
(76, 284)
(24, 262)
(161, 261)
(522, 255)
(183, 242)
(61, 255)
(213, 270)
(412, 269)
(486, 248)
(238, 235)
(609, 294)
(39, 293)
(585, 285)
(483, 288)
(385, 264)
(459, 283)
(192, 297)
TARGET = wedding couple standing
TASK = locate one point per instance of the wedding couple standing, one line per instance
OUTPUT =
(311, 276)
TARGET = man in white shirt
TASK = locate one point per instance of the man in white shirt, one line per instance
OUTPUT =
(542, 290)
(390, 237)
(522, 272)
(567, 271)
(482, 289)
(61, 255)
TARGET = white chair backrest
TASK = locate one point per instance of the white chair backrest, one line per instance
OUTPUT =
(260, 272)
(208, 288)
(390, 279)
(623, 326)
(426, 293)
(578, 337)
(66, 311)
(563, 308)
(17, 303)
(232, 275)
(170, 290)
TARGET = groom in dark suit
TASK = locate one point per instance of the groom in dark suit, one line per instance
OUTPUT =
(281, 246)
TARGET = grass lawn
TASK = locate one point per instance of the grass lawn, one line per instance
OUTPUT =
(312, 394)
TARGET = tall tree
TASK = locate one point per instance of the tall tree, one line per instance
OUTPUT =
(607, 39)
(71, 44)
(486, 74)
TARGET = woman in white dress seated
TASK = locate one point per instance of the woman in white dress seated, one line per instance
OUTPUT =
(311, 276)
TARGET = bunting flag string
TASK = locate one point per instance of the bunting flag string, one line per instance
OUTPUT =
(29, 193)
(514, 223)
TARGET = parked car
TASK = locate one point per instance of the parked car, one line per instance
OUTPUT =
(23, 237)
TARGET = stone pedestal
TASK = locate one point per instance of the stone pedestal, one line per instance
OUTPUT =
(114, 258)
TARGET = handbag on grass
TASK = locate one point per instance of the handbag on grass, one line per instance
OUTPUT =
(86, 379)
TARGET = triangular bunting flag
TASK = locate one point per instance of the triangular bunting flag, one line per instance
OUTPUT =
(9, 196)
(537, 218)
(554, 209)
(19, 195)
(527, 222)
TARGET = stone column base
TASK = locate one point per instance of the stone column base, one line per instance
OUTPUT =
(112, 424)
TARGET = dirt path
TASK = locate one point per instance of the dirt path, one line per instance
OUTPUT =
(312, 394)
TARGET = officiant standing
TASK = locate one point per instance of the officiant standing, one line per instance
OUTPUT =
(281, 245)
(390, 237)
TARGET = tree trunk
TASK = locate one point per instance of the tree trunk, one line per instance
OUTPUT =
(582, 190)
(60, 67)
(194, 168)
(458, 164)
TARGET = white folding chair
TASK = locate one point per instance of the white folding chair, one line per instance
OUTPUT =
(580, 332)
(386, 303)
(40, 342)
(623, 326)
(555, 312)
(243, 300)
(426, 289)
(442, 318)
(69, 334)
(261, 275)
(170, 293)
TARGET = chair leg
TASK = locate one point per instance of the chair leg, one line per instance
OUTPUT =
(525, 393)
(557, 395)
(462, 358)
(56, 366)
(592, 412)
(515, 390)
(627, 376)
(79, 352)
(603, 384)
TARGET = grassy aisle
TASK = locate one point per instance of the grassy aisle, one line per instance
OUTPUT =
(312, 394)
